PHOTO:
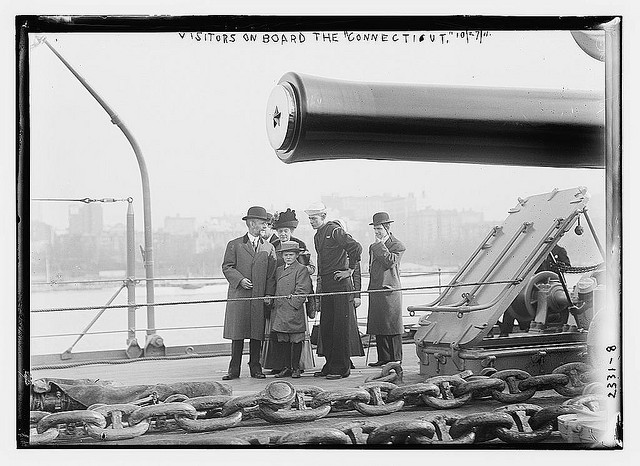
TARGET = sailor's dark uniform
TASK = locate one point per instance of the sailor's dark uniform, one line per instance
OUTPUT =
(337, 250)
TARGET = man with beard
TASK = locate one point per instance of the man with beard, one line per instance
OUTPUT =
(249, 266)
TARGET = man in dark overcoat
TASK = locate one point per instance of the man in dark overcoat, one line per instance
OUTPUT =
(338, 254)
(249, 266)
(385, 308)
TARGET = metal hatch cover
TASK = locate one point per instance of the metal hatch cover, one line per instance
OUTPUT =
(499, 269)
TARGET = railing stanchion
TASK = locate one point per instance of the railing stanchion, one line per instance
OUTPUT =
(133, 348)
(154, 344)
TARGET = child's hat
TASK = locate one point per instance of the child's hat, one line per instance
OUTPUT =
(289, 246)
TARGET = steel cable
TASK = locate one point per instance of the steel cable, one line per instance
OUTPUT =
(223, 300)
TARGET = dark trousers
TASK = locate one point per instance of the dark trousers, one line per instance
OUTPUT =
(389, 347)
(291, 353)
(236, 356)
(277, 357)
(334, 328)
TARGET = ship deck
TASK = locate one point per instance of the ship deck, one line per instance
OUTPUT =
(213, 368)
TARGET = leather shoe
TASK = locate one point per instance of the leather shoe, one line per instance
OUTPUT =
(230, 377)
(286, 372)
(258, 375)
(336, 376)
(296, 374)
(376, 364)
(319, 374)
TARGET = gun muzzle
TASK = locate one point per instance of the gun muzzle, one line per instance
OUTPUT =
(313, 118)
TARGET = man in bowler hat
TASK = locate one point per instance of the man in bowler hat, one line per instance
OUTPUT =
(385, 308)
(249, 266)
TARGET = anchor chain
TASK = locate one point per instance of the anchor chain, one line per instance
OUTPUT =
(282, 402)
(576, 269)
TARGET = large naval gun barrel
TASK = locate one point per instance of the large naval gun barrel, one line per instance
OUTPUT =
(314, 118)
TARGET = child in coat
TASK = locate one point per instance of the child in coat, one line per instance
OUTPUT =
(289, 320)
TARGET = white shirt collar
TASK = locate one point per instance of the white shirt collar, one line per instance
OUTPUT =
(252, 238)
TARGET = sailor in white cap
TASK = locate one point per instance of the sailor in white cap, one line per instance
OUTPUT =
(338, 254)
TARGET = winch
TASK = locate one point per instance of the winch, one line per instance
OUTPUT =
(461, 330)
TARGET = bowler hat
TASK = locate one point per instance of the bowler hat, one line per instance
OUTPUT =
(381, 218)
(286, 219)
(315, 209)
(256, 212)
(289, 246)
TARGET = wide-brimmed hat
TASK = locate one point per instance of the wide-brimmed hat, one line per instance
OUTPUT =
(315, 209)
(286, 219)
(256, 212)
(289, 246)
(381, 218)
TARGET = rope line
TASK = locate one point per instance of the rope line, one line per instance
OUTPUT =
(122, 361)
(86, 200)
(168, 279)
(210, 301)
(191, 327)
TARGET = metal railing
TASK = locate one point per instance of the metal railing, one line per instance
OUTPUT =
(131, 328)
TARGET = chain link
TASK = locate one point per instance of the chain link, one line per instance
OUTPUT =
(281, 402)
(446, 399)
(377, 406)
(442, 424)
(521, 431)
(572, 269)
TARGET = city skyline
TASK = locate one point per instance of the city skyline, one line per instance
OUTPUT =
(187, 247)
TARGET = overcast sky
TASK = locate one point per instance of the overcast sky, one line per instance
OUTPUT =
(197, 109)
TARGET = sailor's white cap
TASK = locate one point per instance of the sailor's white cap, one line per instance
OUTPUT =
(315, 209)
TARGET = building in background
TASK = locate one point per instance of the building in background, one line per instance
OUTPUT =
(85, 219)
(434, 238)
(185, 248)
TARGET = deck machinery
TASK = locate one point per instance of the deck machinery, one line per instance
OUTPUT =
(459, 331)
(312, 118)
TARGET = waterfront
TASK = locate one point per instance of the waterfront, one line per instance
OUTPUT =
(193, 324)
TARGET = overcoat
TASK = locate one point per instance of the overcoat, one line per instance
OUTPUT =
(245, 319)
(288, 315)
(385, 309)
